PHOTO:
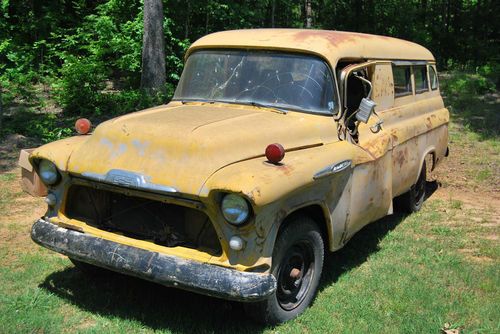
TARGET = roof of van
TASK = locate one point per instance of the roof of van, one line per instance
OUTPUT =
(331, 45)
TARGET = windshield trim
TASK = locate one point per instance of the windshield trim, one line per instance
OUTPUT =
(285, 52)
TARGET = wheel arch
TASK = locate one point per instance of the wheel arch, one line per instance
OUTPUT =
(317, 212)
(431, 150)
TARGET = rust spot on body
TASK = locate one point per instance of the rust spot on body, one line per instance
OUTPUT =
(333, 37)
(394, 137)
(401, 157)
(286, 169)
(428, 123)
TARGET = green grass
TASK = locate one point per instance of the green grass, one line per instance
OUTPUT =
(402, 274)
(7, 177)
(6, 195)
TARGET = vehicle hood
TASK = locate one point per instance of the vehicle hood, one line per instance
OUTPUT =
(180, 146)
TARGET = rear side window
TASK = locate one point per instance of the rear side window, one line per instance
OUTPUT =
(402, 80)
(421, 83)
(433, 78)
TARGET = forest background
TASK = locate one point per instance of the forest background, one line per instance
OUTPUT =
(64, 59)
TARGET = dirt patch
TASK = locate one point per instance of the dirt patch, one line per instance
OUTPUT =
(473, 166)
(472, 254)
(470, 177)
(10, 148)
(492, 237)
(18, 215)
(485, 200)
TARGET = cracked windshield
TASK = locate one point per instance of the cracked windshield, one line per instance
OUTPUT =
(279, 80)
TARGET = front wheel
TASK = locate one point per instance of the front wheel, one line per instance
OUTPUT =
(297, 265)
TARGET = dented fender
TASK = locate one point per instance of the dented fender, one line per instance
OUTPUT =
(276, 191)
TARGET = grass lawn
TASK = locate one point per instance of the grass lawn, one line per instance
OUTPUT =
(434, 270)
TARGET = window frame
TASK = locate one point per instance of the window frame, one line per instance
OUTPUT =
(433, 69)
(415, 73)
(409, 79)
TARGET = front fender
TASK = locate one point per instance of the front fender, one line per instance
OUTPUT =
(58, 152)
(277, 190)
(264, 183)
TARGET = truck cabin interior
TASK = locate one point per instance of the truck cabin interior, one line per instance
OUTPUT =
(356, 90)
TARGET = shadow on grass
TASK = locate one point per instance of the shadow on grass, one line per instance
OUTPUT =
(151, 305)
(363, 244)
(158, 307)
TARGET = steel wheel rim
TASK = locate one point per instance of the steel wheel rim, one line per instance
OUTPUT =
(295, 275)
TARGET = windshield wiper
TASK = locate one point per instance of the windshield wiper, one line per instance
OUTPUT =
(251, 103)
(262, 105)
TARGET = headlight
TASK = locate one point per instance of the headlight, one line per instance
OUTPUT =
(48, 172)
(235, 209)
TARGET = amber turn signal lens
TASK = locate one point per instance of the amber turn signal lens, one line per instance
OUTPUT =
(82, 126)
(275, 153)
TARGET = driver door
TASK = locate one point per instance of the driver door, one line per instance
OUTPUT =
(371, 194)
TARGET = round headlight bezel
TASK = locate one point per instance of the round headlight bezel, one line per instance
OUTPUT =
(235, 202)
(48, 172)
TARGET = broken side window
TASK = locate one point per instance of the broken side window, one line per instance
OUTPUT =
(402, 80)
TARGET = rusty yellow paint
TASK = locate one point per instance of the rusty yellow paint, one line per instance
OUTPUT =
(330, 45)
(58, 152)
(383, 86)
(154, 143)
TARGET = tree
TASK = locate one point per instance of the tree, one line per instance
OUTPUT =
(153, 76)
(1, 108)
(308, 14)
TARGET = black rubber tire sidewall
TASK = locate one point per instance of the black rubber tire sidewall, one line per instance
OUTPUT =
(269, 311)
(409, 201)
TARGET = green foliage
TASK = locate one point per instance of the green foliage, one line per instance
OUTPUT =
(80, 85)
(48, 129)
(45, 127)
(93, 64)
(117, 103)
(461, 84)
(491, 71)
(89, 52)
(470, 100)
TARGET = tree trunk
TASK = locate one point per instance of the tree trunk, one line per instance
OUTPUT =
(308, 14)
(273, 9)
(186, 22)
(153, 76)
(207, 19)
(1, 109)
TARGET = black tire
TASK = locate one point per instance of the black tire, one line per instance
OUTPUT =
(89, 269)
(412, 200)
(299, 249)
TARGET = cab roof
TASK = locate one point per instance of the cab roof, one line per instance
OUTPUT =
(330, 45)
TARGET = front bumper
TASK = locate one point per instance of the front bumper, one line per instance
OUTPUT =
(168, 270)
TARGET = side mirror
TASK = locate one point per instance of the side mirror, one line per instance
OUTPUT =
(365, 111)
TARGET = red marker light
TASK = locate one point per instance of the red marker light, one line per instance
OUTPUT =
(275, 153)
(82, 126)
